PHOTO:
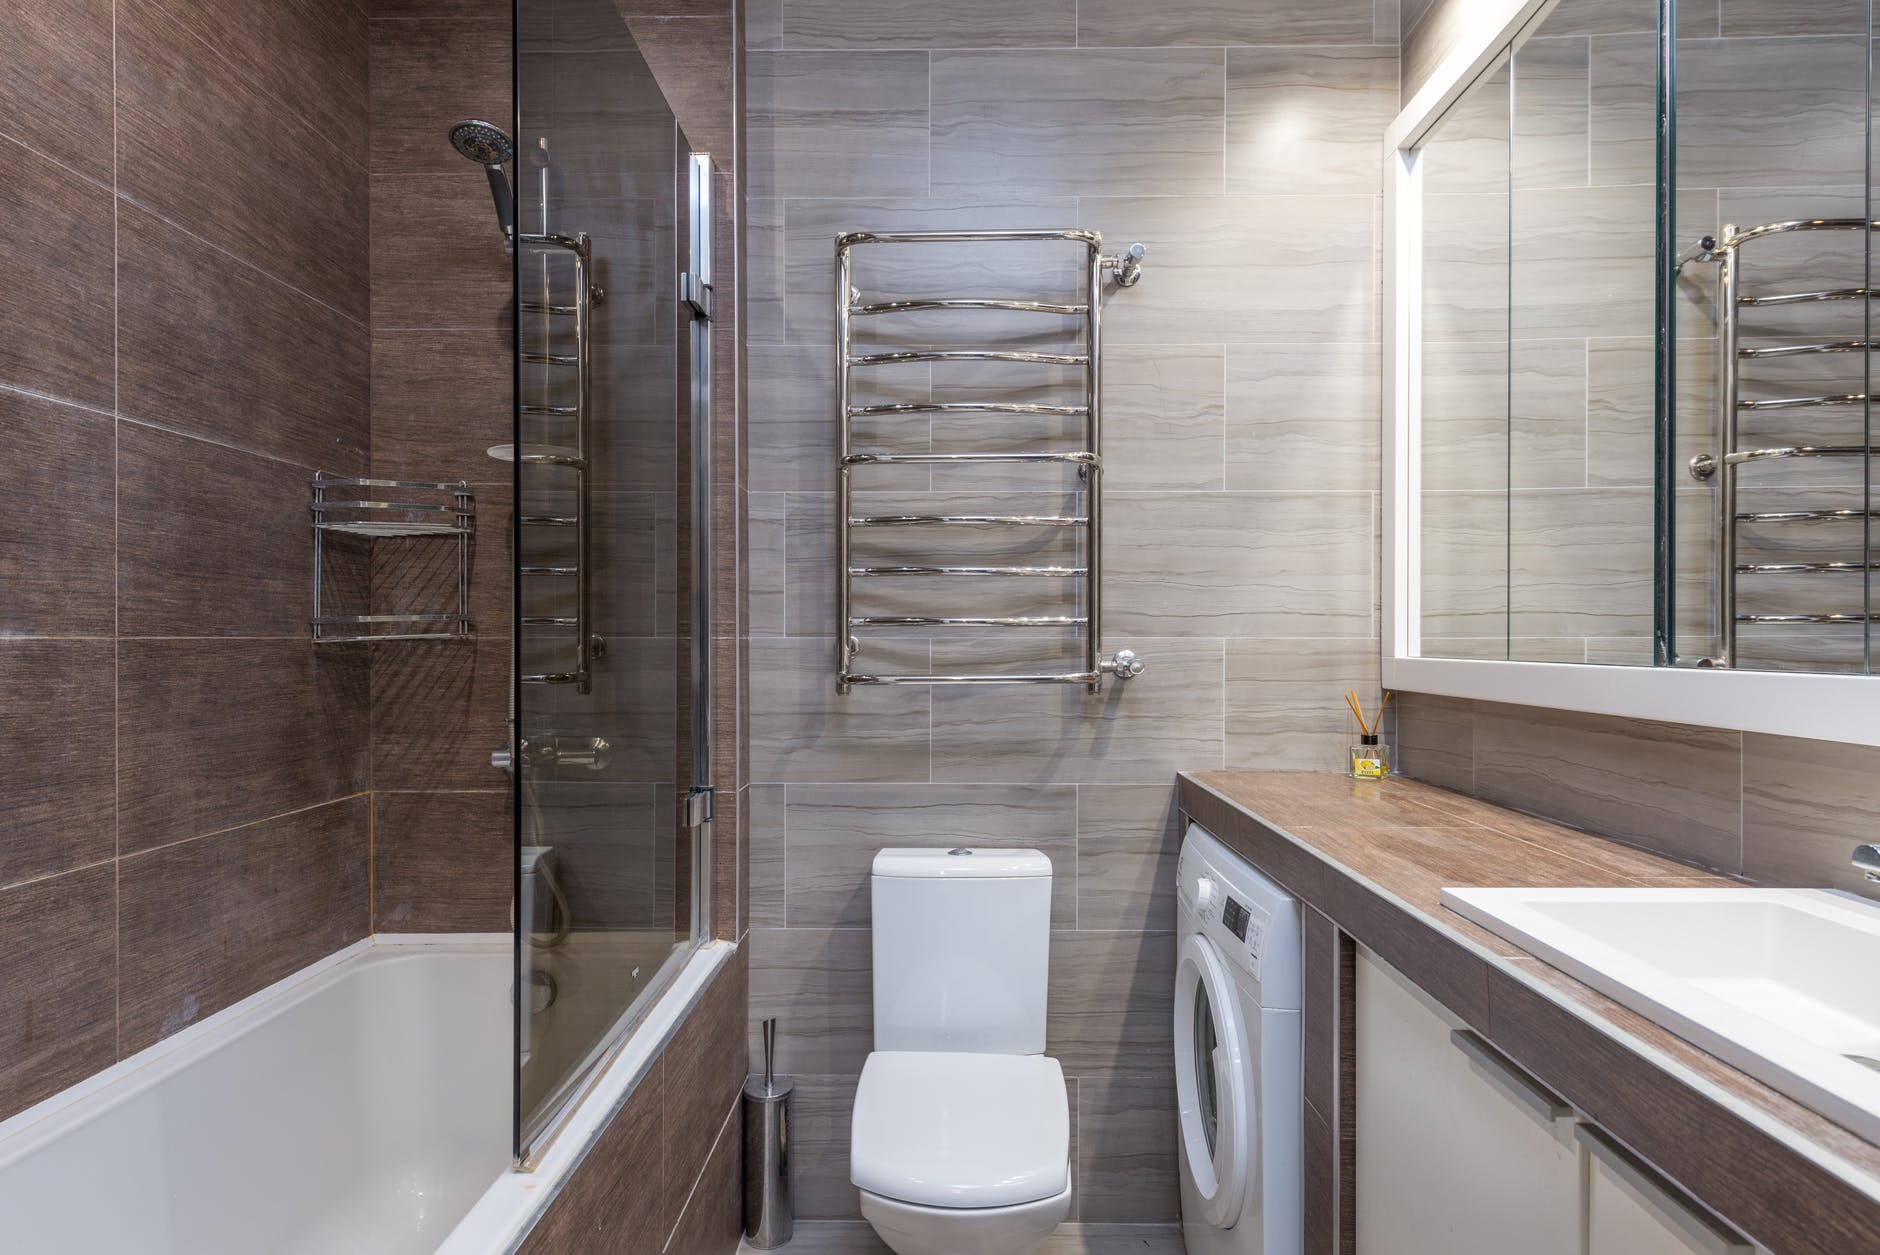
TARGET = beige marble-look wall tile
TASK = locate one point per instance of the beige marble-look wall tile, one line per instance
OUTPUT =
(1129, 24)
(1078, 121)
(1267, 269)
(1286, 701)
(834, 831)
(817, 983)
(1580, 562)
(1581, 260)
(837, 124)
(1663, 786)
(1743, 18)
(1111, 999)
(764, 285)
(928, 23)
(1308, 119)
(1129, 733)
(792, 427)
(769, 861)
(1464, 551)
(1163, 416)
(1806, 804)
(1751, 112)
(820, 1119)
(808, 732)
(1127, 1128)
(1238, 564)
(1550, 120)
(764, 545)
(1127, 842)
(1302, 417)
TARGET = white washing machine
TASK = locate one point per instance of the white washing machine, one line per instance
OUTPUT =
(1237, 1055)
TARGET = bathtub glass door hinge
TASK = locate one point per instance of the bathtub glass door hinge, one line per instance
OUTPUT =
(698, 807)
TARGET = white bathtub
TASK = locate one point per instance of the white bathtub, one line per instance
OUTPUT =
(361, 1105)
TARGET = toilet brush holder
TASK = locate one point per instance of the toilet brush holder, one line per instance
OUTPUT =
(769, 1211)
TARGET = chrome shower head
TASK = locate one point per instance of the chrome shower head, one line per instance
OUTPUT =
(482, 142)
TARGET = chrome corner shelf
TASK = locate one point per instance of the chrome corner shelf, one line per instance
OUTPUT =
(419, 510)
(1084, 574)
(1724, 466)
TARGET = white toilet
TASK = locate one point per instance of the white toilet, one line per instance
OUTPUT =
(961, 1139)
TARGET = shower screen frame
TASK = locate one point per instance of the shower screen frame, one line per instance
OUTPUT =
(1817, 706)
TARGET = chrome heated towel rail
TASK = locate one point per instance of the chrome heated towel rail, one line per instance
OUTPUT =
(574, 317)
(1086, 573)
(1725, 465)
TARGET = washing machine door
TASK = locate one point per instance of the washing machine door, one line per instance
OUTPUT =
(1213, 1083)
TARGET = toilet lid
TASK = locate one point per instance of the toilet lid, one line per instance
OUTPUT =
(961, 1130)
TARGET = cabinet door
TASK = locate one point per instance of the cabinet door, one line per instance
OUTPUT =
(1449, 1161)
(1632, 1211)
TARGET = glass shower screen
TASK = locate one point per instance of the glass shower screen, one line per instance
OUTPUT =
(605, 533)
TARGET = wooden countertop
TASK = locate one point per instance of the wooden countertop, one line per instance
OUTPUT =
(1374, 856)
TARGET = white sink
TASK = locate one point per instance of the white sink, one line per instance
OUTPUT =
(1782, 983)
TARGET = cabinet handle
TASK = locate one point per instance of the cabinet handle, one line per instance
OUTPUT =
(1662, 1195)
(1498, 1068)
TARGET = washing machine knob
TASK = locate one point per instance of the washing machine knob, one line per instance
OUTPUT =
(1204, 896)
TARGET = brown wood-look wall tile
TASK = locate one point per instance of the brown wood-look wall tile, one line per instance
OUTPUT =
(57, 699)
(55, 82)
(429, 75)
(268, 899)
(705, 1066)
(690, 58)
(310, 54)
(1321, 1181)
(1447, 972)
(57, 534)
(217, 155)
(438, 10)
(728, 853)
(437, 255)
(211, 346)
(611, 1204)
(1319, 1014)
(440, 399)
(713, 1221)
(217, 733)
(58, 984)
(212, 541)
(442, 862)
(56, 330)
(437, 712)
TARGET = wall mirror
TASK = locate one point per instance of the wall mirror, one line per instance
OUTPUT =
(1629, 424)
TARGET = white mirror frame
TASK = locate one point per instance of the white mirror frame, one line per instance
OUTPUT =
(1820, 707)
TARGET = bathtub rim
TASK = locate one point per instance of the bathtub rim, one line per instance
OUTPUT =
(500, 1220)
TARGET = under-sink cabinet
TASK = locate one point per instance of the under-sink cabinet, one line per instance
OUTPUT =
(1460, 1152)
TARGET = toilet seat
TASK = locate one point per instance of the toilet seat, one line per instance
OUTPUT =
(961, 1131)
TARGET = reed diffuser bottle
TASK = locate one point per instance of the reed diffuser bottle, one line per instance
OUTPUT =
(1370, 757)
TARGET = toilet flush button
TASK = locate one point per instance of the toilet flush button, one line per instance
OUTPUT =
(961, 850)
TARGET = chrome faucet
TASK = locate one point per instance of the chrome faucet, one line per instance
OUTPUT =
(1867, 861)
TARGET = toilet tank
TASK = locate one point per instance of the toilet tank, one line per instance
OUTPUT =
(962, 942)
